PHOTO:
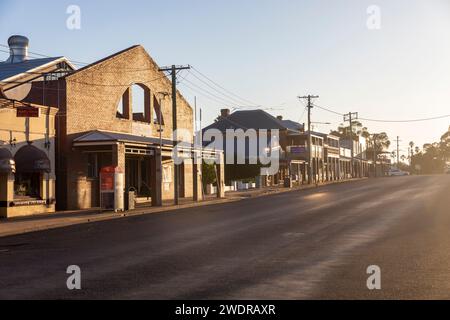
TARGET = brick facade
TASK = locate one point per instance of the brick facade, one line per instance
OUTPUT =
(88, 101)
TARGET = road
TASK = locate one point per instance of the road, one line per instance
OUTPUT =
(314, 244)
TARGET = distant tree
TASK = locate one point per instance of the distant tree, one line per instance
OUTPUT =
(378, 143)
(417, 150)
(357, 129)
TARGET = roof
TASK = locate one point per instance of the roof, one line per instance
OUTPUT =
(10, 104)
(251, 119)
(101, 60)
(104, 136)
(10, 70)
(292, 125)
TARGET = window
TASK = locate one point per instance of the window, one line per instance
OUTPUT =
(92, 169)
(123, 107)
(140, 101)
(27, 185)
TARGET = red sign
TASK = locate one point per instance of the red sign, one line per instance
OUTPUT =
(28, 112)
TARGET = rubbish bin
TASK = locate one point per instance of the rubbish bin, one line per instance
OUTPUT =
(130, 199)
(288, 182)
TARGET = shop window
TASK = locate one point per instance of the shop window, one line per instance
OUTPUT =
(92, 163)
(27, 185)
(140, 101)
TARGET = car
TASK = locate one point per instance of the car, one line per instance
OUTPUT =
(397, 173)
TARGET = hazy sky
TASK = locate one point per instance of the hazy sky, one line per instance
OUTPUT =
(269, 52)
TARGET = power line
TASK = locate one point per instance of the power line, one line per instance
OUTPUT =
(31, 53)
(408, 121)
(329, 110)
(204, 94)
(211, 94)
(228, 96)
(228, 91)
(385, 120)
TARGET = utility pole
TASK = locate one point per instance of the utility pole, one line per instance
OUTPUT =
(309, 106)
(350, 117)
(375, 155)
(173, 70)
(398, 151)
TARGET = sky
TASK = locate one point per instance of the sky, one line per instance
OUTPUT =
(270, 52)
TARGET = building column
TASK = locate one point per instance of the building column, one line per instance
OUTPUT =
(118, 156)
(156, 178)
(220, 167)
(197, 176)
(6, 193)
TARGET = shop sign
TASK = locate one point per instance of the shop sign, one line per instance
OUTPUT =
(27, 112)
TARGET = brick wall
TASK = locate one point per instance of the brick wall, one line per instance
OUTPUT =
(90, 103)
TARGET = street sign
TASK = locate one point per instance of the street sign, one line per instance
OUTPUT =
(297, 150)
(28, 112)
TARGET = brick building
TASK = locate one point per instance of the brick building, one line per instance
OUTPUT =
(111, 113)
(27, 160)
(115, 112)
(27, 132)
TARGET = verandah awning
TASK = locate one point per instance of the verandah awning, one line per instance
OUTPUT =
(31, 159)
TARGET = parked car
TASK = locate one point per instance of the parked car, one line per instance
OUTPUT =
(397, 173)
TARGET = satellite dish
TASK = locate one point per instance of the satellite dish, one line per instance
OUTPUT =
(18, 93)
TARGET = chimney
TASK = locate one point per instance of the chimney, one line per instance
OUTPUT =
(225, 113)
(280, 118)
(18, 49)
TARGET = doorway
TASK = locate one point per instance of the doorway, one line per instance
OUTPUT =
(138, 175)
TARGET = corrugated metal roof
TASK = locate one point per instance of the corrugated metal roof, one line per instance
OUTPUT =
(292, 125)
(103, 136)
(251, 119)
(9, 70)
(256, 119)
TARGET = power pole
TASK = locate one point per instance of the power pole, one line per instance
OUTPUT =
(350, 117)
(309, 106)
(173, 70)
(375, 156)
(398, 151)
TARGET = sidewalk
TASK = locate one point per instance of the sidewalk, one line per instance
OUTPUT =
(67, 218)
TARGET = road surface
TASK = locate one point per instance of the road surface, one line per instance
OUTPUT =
(314, 244)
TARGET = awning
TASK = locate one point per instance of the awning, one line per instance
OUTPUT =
(31, 159)
(7, 163)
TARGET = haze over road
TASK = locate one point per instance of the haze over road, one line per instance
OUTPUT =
(297, 245)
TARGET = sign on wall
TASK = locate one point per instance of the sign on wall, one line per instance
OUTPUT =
(28, 112)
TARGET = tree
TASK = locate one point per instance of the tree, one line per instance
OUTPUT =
(208, 174)
(357, 129)
(377, 143)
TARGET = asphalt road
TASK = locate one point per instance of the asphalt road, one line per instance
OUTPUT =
(314, 244)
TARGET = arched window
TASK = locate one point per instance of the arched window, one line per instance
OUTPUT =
(123, 107)
(31, 163)
(140, 102)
